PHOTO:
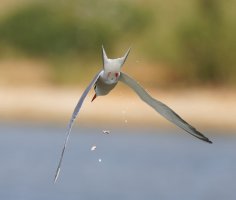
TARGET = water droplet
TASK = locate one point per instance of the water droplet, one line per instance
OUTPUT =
(106, 132)
(93, 148)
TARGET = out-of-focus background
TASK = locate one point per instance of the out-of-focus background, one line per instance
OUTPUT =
(183, 53)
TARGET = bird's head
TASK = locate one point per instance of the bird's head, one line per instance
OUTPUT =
(112, 67)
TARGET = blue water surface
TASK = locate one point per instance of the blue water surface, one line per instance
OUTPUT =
(136, 164)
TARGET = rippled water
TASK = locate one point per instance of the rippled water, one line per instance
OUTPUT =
(135, 164)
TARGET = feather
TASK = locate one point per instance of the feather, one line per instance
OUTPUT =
(161, 108)
(74, 115)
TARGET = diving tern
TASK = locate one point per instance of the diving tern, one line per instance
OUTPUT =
(105, 80)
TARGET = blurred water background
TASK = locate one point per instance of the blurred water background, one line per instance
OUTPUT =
(183, 53)
(135, 164)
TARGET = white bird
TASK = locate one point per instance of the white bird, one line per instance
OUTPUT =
(105, 80)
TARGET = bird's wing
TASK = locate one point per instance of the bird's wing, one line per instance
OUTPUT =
(75, 113)
(161, 108)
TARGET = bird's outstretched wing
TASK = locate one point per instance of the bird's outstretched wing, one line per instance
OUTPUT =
(161, 108)
(75, 113)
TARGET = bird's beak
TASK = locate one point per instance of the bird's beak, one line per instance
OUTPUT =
(94, 97)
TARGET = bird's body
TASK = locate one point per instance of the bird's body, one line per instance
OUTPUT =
(101, 88)
(107, 79)
(110, 74)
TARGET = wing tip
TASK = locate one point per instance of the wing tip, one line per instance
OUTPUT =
(198, 134)
(208, 141)
(205, 139)
(56, 175)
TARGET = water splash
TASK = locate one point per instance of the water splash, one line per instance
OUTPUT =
(106, 132)
(93, 148)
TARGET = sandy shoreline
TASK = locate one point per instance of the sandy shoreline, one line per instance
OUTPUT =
(201, 107)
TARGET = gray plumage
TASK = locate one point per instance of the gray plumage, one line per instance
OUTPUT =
(161, 108)
(106, 80)
(74, 115)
